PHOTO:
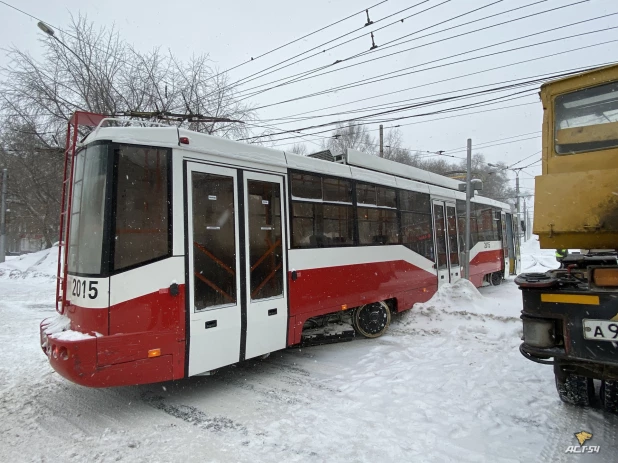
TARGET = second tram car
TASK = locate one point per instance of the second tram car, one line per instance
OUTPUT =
(181, 253)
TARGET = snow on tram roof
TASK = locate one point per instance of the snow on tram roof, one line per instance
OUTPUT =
(357, 165)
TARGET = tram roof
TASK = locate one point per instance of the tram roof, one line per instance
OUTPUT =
(357, 165)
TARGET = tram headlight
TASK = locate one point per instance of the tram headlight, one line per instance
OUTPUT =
(539, 333)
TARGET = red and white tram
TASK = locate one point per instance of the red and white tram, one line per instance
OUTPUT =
(181, 253)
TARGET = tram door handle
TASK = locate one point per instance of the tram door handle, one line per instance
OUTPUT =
(294, 275)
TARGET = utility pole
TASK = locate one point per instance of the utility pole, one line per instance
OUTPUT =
(5, 176)
(468, 196)
(525, 221)
(381, 141)
(518, 210)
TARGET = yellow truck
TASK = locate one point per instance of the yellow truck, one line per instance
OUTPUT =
(570, 315)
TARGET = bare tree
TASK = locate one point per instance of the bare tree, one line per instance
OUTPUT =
(351, 136)
(93, 69)
(393, 147)
(298, 148)
(495, 180)
(35, 170)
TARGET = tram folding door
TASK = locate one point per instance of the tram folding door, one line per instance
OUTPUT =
(236, 265)
(505, 244)
(447, 242)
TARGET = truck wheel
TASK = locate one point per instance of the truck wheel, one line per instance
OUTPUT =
(609, 396)
(372, 320)
(575, 389)
(495, 278)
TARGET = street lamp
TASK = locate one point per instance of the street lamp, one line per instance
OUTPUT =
(49, 31)
(45, 28)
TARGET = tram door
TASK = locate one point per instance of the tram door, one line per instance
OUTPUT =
(447, 244)
(235, 265)
(505, 244)
(510, 238)
(266, 293)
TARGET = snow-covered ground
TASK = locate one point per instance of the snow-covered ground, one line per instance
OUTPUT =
(447, 384)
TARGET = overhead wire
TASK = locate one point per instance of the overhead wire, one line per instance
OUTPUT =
(410, 107)
(382, 77)
(527, 157)
(300, 38)
(438, 118)
(306, 74)
(389, 104)
(475, 104)
(433, 82)
(333, 40)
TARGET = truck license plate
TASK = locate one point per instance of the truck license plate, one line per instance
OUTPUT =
(601, 330)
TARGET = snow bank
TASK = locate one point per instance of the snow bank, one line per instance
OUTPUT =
(535, 259)
(41, 264)
(460, 309)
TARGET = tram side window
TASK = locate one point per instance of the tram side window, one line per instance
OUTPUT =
(322, 212)
(416, 223)
(306, 186)
(142, 205)
(377, 224)
(461, 222)
(477, 232)
(485, 219)
(497, 225)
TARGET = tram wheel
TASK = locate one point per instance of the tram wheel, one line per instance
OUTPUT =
(575, 389)
(609, 396)
(372, 320)
(495, 278)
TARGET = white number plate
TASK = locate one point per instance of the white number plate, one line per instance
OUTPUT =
(601, 330)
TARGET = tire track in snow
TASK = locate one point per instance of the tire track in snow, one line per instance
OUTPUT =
(567, 421)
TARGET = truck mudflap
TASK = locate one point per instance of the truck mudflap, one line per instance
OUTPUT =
(570, 325)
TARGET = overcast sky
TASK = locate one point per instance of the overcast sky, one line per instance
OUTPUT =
(234, 31)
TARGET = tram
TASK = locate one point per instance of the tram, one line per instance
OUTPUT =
(181, 253)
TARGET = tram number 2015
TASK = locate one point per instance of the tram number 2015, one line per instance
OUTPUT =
(79, 288)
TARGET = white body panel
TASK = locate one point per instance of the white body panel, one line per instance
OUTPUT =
(147, 279)
(88, 292)
(484, 246)
(304, 259)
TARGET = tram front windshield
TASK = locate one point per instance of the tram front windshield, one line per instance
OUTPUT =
(88, 210)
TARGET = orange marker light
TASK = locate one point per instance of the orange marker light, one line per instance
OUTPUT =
(344, 306)
(154, 353)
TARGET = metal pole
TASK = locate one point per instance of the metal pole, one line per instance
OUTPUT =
(518, 216)
(381, 141)
(5, 176)
(525, 221)
(468, 196)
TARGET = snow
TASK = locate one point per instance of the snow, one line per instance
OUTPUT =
(56, 324)
(41, 264)
(70, 335)
(446, 384)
